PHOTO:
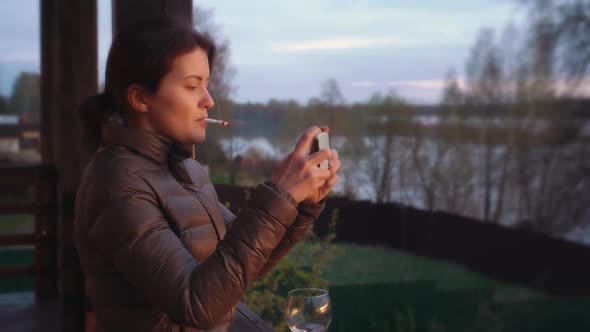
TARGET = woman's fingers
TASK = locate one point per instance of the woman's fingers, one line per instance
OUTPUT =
(331, 182)
(317, 157)
(318, 177)
(305, 141)
(322, 174)
(335, 166)
(331, 155)
(334, 162)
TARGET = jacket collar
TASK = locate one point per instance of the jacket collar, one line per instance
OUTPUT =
(157, 148)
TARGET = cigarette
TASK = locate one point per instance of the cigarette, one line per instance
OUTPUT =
(217, 122)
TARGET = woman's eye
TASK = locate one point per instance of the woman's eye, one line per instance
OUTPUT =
(196, 87)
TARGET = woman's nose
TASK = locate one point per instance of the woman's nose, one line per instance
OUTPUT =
(207, 101)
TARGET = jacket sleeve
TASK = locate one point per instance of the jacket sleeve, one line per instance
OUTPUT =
(308, 212)
(131, 230)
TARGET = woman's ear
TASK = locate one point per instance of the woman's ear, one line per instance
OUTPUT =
(137, 97)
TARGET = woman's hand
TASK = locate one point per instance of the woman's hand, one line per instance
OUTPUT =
(334, 164)
(298, 173)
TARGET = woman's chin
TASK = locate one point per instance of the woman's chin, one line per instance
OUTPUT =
(197, 139)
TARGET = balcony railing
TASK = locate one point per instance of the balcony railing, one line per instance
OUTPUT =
(42, 204)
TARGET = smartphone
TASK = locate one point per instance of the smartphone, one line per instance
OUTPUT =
(321, 141)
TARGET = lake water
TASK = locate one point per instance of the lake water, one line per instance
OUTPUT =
(408, 186)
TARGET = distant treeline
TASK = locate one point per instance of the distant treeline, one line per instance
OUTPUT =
(276, 119)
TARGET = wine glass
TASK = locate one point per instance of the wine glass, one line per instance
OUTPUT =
(308, 310)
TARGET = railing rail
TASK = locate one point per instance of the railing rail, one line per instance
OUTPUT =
(43, 206)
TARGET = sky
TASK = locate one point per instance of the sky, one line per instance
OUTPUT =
(284, 49)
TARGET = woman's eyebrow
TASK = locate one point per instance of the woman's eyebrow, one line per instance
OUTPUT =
(200, 78)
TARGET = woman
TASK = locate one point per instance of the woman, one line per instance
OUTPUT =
(159, 252)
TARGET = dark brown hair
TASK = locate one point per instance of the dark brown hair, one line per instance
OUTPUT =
(141, 54)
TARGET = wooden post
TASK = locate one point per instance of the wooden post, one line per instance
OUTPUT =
(69, 74)
(46, 193)
(78, 76)
(126, 12)
(46, 233)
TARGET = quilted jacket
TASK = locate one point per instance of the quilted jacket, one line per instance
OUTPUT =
(158, 249)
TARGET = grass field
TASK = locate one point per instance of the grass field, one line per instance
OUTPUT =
(380, 289)
(17, 223)
(11, 224)
(356, 264)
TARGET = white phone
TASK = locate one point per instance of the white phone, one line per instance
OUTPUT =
(321, 141)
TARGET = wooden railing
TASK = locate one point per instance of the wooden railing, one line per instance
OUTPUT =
(43, 205)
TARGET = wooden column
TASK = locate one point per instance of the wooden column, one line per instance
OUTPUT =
(126, 12)
(46, 220)
(46, 216)
(70, 74)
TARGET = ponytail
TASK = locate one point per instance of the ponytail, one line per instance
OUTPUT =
(94, 113)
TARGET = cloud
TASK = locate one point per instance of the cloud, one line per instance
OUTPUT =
(419, 84)
(340, 43)
(569, 88)
(562, 87)
(18, 53)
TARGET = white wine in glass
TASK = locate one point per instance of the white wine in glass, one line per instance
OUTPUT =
(308, 310)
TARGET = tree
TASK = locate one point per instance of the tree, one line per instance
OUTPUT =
(573, 30)
(537, 72)
(484, 71)
(569, 32)
(452, 97)
(446, 168)
(220, 84)
(3, 105)
(551, 178)
(533, 162)
(385, 152)
(330, 93)
(26, 95)
(486, 94)
(330, 104)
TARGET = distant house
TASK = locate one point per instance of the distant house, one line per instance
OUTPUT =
(9, 133)
(19, 138)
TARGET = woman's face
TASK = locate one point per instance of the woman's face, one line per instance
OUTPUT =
(179, 108)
